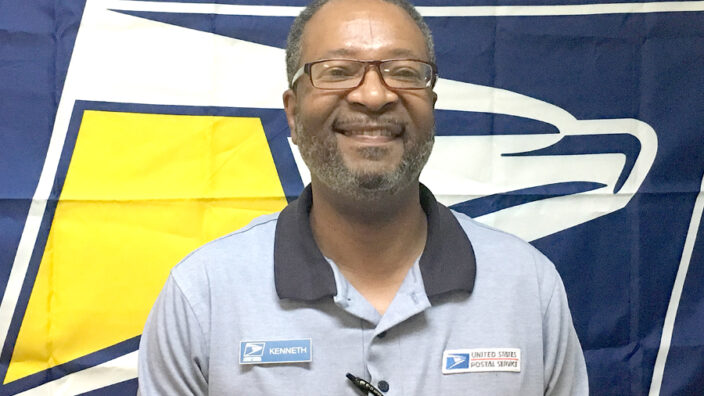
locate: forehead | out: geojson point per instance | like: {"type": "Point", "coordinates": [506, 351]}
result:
{"type": "Point", "coordinates": [362, 29]}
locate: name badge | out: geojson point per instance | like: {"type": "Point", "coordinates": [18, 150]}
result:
{"type": "Point", "coordinates": [481, 360]}
{"type": "Point", "coordinates": [273, 352]}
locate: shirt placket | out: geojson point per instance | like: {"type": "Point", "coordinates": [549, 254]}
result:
{"type": "Point", "coordinates": [385, 359]}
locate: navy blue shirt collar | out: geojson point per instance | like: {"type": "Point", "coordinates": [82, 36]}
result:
{"type": "Point", "coordinates": [301, 272]}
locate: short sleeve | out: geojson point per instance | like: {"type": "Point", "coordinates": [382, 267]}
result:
{"type": "Point", "coordinates": [565, 369]}
{"type": "Point", "coordinates": [172, 350]}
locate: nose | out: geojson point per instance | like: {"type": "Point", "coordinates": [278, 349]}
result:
{"type": "Point", "coordinates": [372, 93]}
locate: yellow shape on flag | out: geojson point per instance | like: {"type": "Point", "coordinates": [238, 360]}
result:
{"type": "Point", "coordinates": [141, 192]}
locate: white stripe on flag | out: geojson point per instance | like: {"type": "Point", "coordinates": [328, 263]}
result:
{"type": "Point", "coordinates": [436, 11]}
{"type": "Point", "coordinates": [671, 315]}
{"type": "Point", "coordinates": [111, 372]}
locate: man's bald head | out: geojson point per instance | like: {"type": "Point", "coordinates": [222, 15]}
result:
{"type": "Point", "coordinates": [295, 35]}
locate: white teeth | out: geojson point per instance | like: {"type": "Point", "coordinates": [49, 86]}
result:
{"type": "Point", "coordinates": [369, 129]}
{"type": "Point", "coordinates": [373, 132]}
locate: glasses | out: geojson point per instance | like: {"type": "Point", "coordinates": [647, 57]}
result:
{"type": "Point", "coordinates": [349, 73]}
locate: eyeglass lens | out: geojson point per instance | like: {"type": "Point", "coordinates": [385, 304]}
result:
{"type": "Point", "coordinates": [342, 74]}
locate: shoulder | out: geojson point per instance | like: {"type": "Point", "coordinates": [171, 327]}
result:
{"type": "Point", "coordinates": [502, 256]}
{"type": "Point", "coordinates": [487, 237]}
{"type": "Point", "coordinates": [258, 235]}
{"type": "Point", "coordinates": [494, 243]}
{"type": "Point", "coordinates": [236, 258]}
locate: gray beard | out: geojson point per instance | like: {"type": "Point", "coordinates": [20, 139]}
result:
{"type": "Point", "coordinates": [323, 158]}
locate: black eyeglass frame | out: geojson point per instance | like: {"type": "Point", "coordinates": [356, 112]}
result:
{"type": "Point", "coordinates": [306, 68]}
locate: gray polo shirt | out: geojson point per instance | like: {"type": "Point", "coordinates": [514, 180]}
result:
{"type": "Point", "coordinates": [262, 312]}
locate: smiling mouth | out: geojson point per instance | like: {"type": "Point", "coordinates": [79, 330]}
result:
{"type": "Point", "coordinates": [372, 131]}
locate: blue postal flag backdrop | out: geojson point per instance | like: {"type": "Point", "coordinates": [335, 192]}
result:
{"type": "Point", "coordinates": [133, 131]}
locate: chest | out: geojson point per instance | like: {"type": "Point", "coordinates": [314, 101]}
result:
{"type": "Point", "coordinates": [408, 356]}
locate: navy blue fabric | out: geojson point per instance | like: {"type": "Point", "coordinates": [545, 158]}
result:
{"type": "Point", "coordinates": [682, 374]}
{"type": "Point", "coordinates": [495, 202]}
{"type": "Point", "coordinates": [35, 48]}
{"type": "Point", "coordinates": [589, 144]}
{"type": "Point", "coordinates": [128, 387]}
{"type": "Point", "coordinates": [36, 41]}
{"type": "Point", "coordinates": [78, 364]}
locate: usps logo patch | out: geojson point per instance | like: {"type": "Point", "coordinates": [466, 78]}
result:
{"type": "Point", "coordinates": [478, 360]}
{"type": "Point", "coordinates": [253, 351]}
{"type": "Point", "coordinates": [456, 361]}
{"type": "Point", "coordinates": [279, 351]}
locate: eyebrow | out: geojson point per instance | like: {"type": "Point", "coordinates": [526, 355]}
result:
{"type": "Point", "coordinates": [395, 53]}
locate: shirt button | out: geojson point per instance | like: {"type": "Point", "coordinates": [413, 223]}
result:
{"type": "Point", "coordinates": [382, 334]}
{"type": "Point", "coordinates": [383, 386]}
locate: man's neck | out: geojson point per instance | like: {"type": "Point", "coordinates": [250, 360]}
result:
{"type": "Point", "coordinates": [374, 243]}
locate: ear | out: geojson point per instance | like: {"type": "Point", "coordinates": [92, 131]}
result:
{"type": "Point", "coordinates": [290, 103]}
{"type": "Point", "coordinates": [435, 98]}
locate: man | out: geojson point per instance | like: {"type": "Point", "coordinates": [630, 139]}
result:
{"type": "Point", "coordinates": [365, 273]}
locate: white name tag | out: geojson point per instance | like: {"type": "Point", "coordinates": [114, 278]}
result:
{"type": "Point", "coordinates": [480, 360]}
